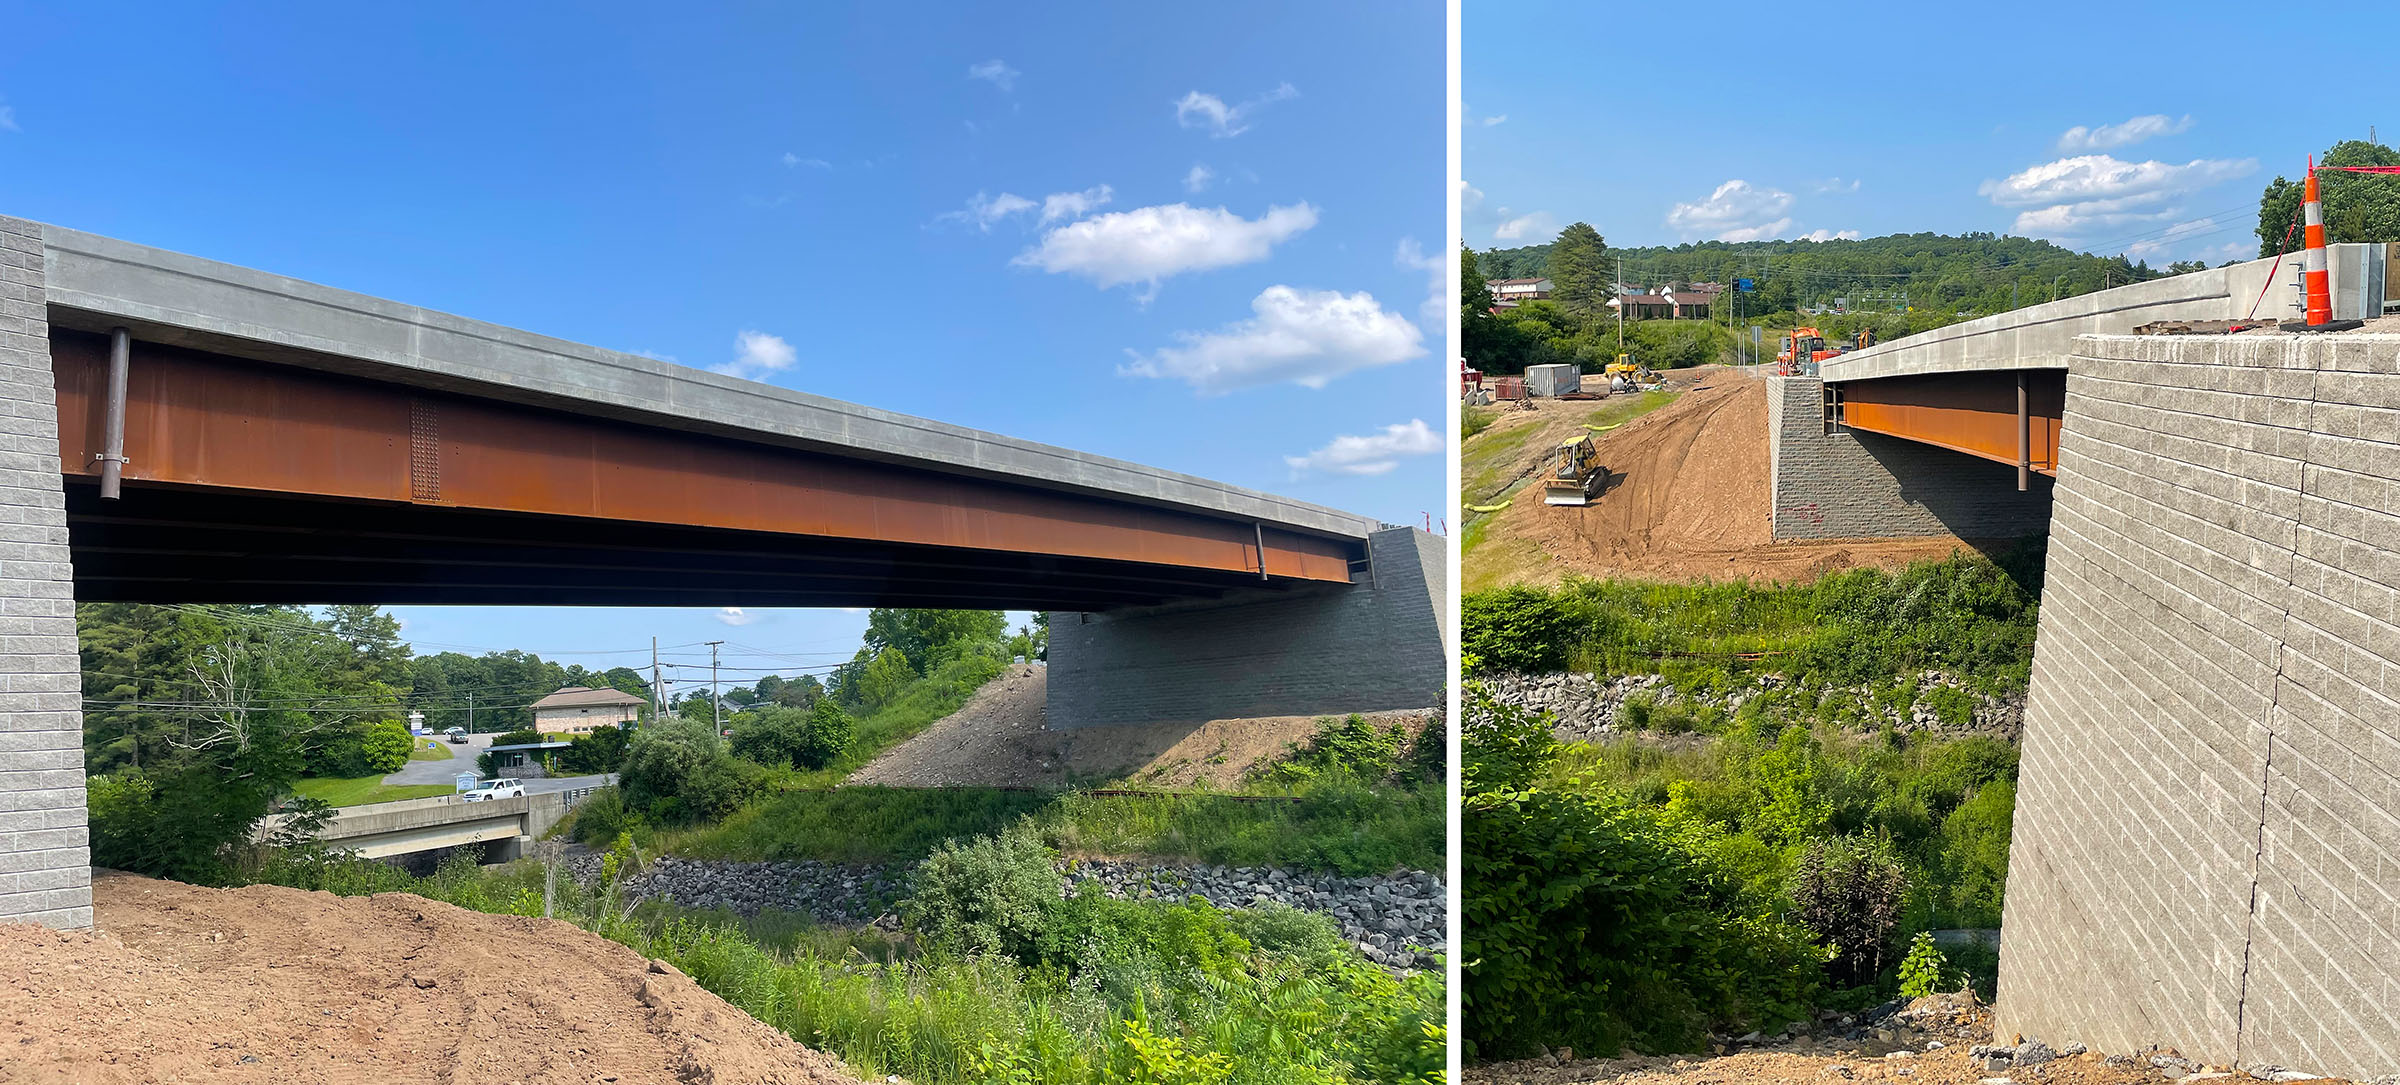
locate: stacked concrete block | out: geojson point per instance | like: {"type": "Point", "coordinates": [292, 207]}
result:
{"type": "Point", "coordinates": [2207, 839]}
{"type": "Point", "coordinates": [1848, 485]}
{"type": "Point", "coordinates": [1375, 645]}
{"type": "Point", "coordinates": [45, 867]}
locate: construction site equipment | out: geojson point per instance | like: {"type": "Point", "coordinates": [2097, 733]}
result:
{"type": "Point", "coordinates": [1626, 375]}
{"type": "Point", "coordinates": [1555, 379]}
{"type": "Point", "coordinates": [1575, 472]}
{"type": "Point", "coordinates": [1800, 353]}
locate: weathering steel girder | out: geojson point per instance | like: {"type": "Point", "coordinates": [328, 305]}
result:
{"type": "Point", "coordinates": [195, 418]}
{"type": "Point", "coordinates": [1970, 412]}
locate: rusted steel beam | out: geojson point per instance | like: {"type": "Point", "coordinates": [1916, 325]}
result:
{"type": "Point", "coordinates": [1974, 413]}
{"type": "Point", "coordinates": [196, 419]}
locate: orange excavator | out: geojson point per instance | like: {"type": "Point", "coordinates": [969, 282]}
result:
{"type": "Point", "coordinates": [1804, 347]}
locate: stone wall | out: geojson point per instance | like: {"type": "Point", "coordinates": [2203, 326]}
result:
{"type": "Point", "coordinates": [1375, 645]}
{"type": "Point", "coordinates": [2207, 837]}
{"type": "Point", "coordinates": [45, 867]}
{"type": "Point", "coordinates": [1848, 485]}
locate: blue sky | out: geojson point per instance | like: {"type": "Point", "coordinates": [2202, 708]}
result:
{"type": "Point", "coordinates": [2138, 127]}
{"type": "Point", "coordinates": [1194, 241]}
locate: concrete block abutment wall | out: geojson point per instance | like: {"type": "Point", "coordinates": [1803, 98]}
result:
{"type": "Point", "coordinates": [1379, 644]}
{"type": "Point", "coordinates": [2207, 835]}
{"type": "Point", "coordinates": [45, 862]}
{"type": "Point", "coordinates": [1849, 485]}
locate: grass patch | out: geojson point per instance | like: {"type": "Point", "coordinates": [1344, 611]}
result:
{"type": "Point", "coordinates": [854, 824]}
{"type": "Point", "coordinates": [360, 790]}
{"type": "Point", "coordinates": [433, 750]}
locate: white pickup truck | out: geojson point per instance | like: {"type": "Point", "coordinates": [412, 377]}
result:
{"type": "Point", "coordinates": [503, 788]}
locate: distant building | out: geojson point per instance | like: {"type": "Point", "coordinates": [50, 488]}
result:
{"type": "Point", "coordinates": [575, 710]}
{"type": "Point", "coordinates": [1519, 289]}
{"type": "Point", "coordinates": [1644, 306]}
{"type": "Point", "coordinates": [1689, 305]}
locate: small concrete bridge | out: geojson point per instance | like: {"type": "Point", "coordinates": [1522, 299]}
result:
{"type": "Point", "coordinates": [2206, 851]}
{"type": "Point", "coordinates": [406, 826]}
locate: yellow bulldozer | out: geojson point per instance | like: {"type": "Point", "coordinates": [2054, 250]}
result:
{"type": "Point", "coordinates": [1625, 369]}
{"type": "Point", "coordinates": [1575, 473]}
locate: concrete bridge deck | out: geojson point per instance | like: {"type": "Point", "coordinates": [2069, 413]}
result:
{"type": "Point", "coordinates": [406, 826]}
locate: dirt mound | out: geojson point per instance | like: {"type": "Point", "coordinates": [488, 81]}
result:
{"type": "Point", "coordinates": [1687, 497]}
{"type": "Point", "coordinates": [1000, 738]}
{"type": "Point", "coordinates": [182, 983]}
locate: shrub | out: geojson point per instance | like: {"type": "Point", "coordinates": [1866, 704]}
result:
{"type": "Point", "coordinates": [1921, 970]}
{"type": "Point", "coordinates": [678, 772]}
{"type": "Point", "coordinates": [1525, 630]}
{"type": "Point", "coordinates": [1850, 891]}
{"type": "Point", "coordinates": [601, 816]}
{"type": "Point", "coordinates": [988, 895]}
{"type": "Point", "coordinates": [1350, 747]}
{"type": "Point", "coordinates": [385, 747]}
{"type": "Point", "coordinates": [602, 749]}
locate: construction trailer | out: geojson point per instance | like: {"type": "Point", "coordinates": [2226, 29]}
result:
{"type": "Point", "coordinates": [1556, 379]}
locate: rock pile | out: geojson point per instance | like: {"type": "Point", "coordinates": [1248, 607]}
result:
{"type": "Point", "coordinates": [1397, 920]}
{"type": "Point", "coordinates": [1584, 707]}
{"type": "Point", "coordinates": [835, 892]}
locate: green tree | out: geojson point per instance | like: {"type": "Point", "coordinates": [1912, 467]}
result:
{"type": "Point", "coordinates": [1474, 291]}
{"type": "Point", "coordinates": [932, 637]}
{"type": "Point", "coordinates": [386, 746]}
{"type": "Point", "coordinates": [2357, 206]}
{"type": "Point", "coordinates": [679, 772]}
{"type": "Point", "coordinates": [1579, 276]}
{"type": "Point", "coordinates": [884, 677]}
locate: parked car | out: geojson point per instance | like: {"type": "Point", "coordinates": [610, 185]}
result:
{"type": "Point", "coordinates": [503, 788]}
{"type": "Point", "coordinates": [456, 735]}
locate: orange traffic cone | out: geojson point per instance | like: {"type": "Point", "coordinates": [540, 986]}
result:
{"type": "Point", "coordinates": [2313, 276]}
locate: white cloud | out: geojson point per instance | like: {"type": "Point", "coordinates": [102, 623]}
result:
{"type": "Point", "coordinates": [1199, 110]}
{"type": "Point", "coordinates": [2098, 176]}
{"type": "Point", "coordinates": [2080, 138]}
{"type": "Point", "coordinates": [1074, 205]}
{"type": "Point", "coordinates": [1533, 226]}
{"type": "Point", "coordinates": [1736, 211]}
{"type": "Point", "coordinates": [1822, 234]}
{"type": "Point", "coordinates": [2167, 239]}
{"type": "Point", "coordinates": [1496, 119]}
{"type": "Point", "coordinates": [1148, 244]}
{"type": "Point", "coordinates": [982, 211]}
{"type": "Point", "coordinates": [1374, 454]}
{"type": "Point", "coordinates": [1832, 186]}
{"type": "Point", "coordinates": [1442, 290]}
{"type": "Point", "coordinates": [734, 616]}
{"type": "Point", "coordinates": [790, 159]}
{"type": "Point", "coordinates": [1199, 178]}
{"type": "Point", "coordinates": [757, 355]}
{"type": "Point", "coordinates": [1469, 196]}
{"type": "Point", "coordinates": [1308, 337]}
{"type": "Point", "coordinates": [2084, 192]}
{"type": "Point", "coordinates": [996, 73]}
{"type": "Point", "coordinates": [8, 118]}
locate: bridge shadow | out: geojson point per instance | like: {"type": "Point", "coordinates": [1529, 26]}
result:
{"type": "Point", "coordinates": [1974, 499]}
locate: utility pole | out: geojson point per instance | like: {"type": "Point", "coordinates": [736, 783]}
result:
{"type": "Point", "coordinates": [470, 712]}
{"type": "Point", "coordinates": [658, 707]}
{"type": "Point", "coordinates": [716, 703]}
{"type": "Point", "coordinates": [1620, 284]}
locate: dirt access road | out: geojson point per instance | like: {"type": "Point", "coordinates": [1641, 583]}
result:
{"type": "Point", "coordinates": [1687, 497]}
{"type": "Point", "coordinates": [186, 984]}
{"type": "Point", "coordinates": [1001, 738]}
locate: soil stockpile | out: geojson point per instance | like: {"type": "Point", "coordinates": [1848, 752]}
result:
{"type": "Point", "coordinates": [1001, 738]}
{"type": "Point", "coordinates": [1687, 497]}
{"type": "Point", "coordinates": [181, 983]}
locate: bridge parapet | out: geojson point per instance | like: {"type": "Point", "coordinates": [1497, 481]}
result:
{"type": "Point", "coordinates": [2043, 336]}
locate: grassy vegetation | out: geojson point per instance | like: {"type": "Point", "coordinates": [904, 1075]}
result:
{"type": "Point", "coordinates": [1474, 420]}
{"type": "Point", "coordinates": [1968, 615]}
{"type": "Point", "coordinates": [358, 791]}
{"type": "Point", "coordinates": [1374, 805]}
{"type": "Point", "coordinates": [1085, 990]}
{"type": "Point", "coordinates": [431, 750]}
{"type": "Point", "coordinates": [917, 707]}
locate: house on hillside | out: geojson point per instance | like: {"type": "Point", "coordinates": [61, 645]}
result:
{"type": "Point", "coordinates": [1515, 290]}
{"type": "Point", "coordinates": [1644, 306]}
{"type": "Point", "coordinates": [1689, 305]}
{"type": "Point", "coordinates": [575, 710]}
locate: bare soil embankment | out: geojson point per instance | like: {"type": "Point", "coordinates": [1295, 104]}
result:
{"type": "Point", "coordinates": [1688, 497]}
{"type": "Point", "coordinates": [1001, 738]}
{"type": "Point", "coordinates": [188, 984]}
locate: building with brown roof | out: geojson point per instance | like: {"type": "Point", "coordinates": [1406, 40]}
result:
{"type": "Point", "coordinates": [575, 710]}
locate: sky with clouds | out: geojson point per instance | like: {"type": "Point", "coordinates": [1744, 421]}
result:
{"type": "Point", "coordinates": [1208, 243]}
{"type": "Point", "coordinates": [1895, 119]}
